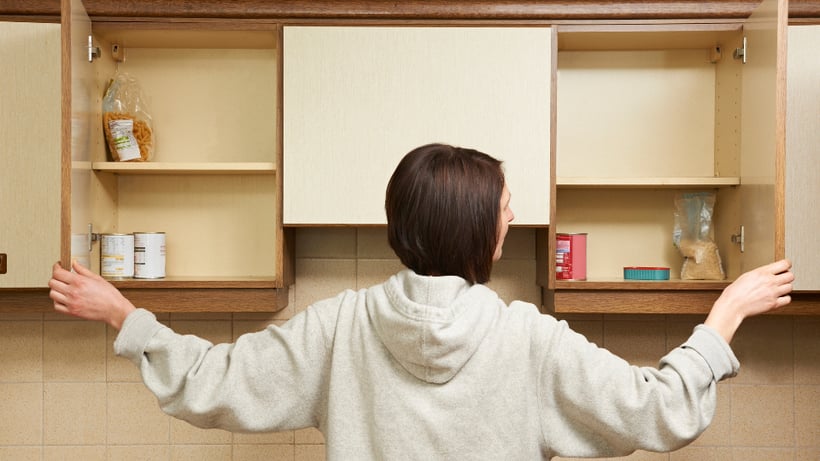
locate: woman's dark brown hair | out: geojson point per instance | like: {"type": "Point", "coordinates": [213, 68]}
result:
{"type": "Point", "coordinates": [442, 207]}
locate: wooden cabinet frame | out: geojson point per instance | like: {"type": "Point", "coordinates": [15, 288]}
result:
{"type": "Point", "coordinates": [553, 10]}
{"type": "Point", "coordinates": [757, 194]}
{"type": "Point", "coordinates": [257, 281]}
{"type": "Point", "coordinates": [693, 299]}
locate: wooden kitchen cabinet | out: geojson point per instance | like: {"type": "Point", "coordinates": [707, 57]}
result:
{"type": "Point", "coordinates": [638, 112]}
{"type": "Point", "coordinates": [213, 184]}
{"type": "Point", "coordinates": [357, 98]}
{"type": "Point", "coordinates": [646, 111]}
{"type": "Point", "coordinates": [644, 114]}
{"type": "Point", "coordinates": [29, 153]}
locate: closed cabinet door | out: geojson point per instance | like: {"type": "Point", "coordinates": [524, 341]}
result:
{"type": "Point", "coordinates": [356, 99]}
{"type": "Point", "coordinates": [29, 153]}
{"type": "Point", "coordinates": [802, 216]}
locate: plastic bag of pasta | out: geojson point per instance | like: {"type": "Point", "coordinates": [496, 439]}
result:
{"type": "Point", "coordinates": [694, 236]}
{"type": "Point", "coordinates": [126, 120]}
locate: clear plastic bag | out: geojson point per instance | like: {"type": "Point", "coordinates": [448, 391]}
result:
{"type": "Point", "coordinates": [127, 122]}
{"type": "Point", "coordinates": [694, 236]}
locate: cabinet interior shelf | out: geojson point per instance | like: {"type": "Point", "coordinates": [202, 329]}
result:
{"type": "Point", "coordinates": [185, 167]}
{"type": "Point", "coordinates": [152, 35]}
{"type": "Point", "coordinates": [198, 282]}
{"type": "Point", "coordinates": [620, 284]}
{"type": "Point", "coordinates": [586, 37]}
{"type": "Point", "coordinates": [650, 182]}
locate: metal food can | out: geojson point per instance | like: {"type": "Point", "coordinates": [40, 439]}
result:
{"type": "Point", "coordinates": [149, 255]}
{"type": "Point", "coordinates": [117, 256]}
{"type": "Point", "coordinates": [571, 256]}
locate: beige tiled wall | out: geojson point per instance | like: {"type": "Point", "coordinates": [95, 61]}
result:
{"type": "Point", "coordinates": [65, 396]}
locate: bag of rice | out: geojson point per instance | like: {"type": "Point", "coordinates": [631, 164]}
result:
{"type": "Point", "coordinates": [693, 235]}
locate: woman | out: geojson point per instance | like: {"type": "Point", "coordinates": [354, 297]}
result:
{"type": "Point", "coordinates": [431, 364]}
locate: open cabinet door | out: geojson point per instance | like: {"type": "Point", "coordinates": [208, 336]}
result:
{"type": "Point", "coordinates": [763, 116]}
{"type": "Point", "coordinates": [803, 156]}
{"type": "Point", "coordinates": [29, 153]}
{"type": "Point", "coordinates": [77, 84]}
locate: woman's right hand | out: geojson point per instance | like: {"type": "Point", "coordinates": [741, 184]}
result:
{"type": "Point", "coordinates": [85, 294]}
{"type": "Point", "coordinates": [755, 292]}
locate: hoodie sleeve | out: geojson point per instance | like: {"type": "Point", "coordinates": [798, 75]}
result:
{"type": "Point", "coordinates": [265, 381]}
{"type": "Point", "coordinates": [596, 404]}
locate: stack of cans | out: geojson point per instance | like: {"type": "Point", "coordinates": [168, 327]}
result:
{"type": "Point", "coordinates": [139, 255]}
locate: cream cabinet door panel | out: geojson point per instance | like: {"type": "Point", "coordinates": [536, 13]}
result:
{"type": "Point", "coordinates": [29, 152]}
{"type": "Point", "coordinates": [78, 131]}
{"type": "Point", "coordinates": [762, 130]}
{"type": "Point", "coordinates": [803, 155]}
{"type": "Point", "coordinates": [356, 99]}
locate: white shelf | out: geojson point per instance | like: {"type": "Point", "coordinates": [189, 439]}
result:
{"type": "Point", "coordinates": [656, 182]}
{"type": "Point", "coordinates": [185, 167]}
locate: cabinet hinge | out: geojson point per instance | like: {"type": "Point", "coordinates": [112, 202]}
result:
{"type": "Point", "coordinates": [93, 51]}
{"type": "Point", "coordinates": [92, 237]}
{"type": "Point", "coordinates": [740, 53]}
{"type": "Point", "coordinates": [740, 238]}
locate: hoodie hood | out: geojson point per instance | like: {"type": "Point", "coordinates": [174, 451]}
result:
{"type": "Point", "coordinates": [432, 325]}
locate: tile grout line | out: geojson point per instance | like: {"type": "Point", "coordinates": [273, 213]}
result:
{"type": "Point", "coordinates": [794, 388]}
{"type": "Point", "coordinates": [43, 386]}
{"type": "Point", "coordinates": [355, 266]}
{"type": "Point", "coordinates": [233, 339]}
{"type": "Point", "coordinates": [107, 346]}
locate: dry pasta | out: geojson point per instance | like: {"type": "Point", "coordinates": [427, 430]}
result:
{"type": "Point", "coordinates": [141, 131]}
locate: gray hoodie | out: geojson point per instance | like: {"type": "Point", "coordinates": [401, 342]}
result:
{"type": "Point", "coordinates": [424, 368]}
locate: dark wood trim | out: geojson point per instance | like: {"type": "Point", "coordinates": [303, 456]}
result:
{"type": "Point", "coordinates": [66, 88]}
{"type": "Point", "coordinates": [209, 300]}
{"type": "Point", "coordinates": [656, 302]}
{"type": "Point", "coordinates": [164, 300]}
{"type": "Point", "coordinates": [642, 302]}
{"type": "Point", "coordinates": [273, 300]}
{"type": "Point", "coordinates": [26, 301]}
{"type": "Point", "coordinates": [409, 9]}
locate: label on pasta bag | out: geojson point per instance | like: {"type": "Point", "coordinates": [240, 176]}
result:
{"type": "Point", "coordinates": [124, 141]}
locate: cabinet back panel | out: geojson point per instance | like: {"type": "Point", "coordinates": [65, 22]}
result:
{"type": "Point", "coordinates": [29, 152]}
{"type": "Point", "coordinates": [209, 105]}
{"type": "Point", "coordinates": [803, 156]}
{"type": "Point", "coordinates": [223, 225]}
{"type": "Point", "coordinates": [728, 81]}
{"type": "Point", "coordinates": [636, 113]}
